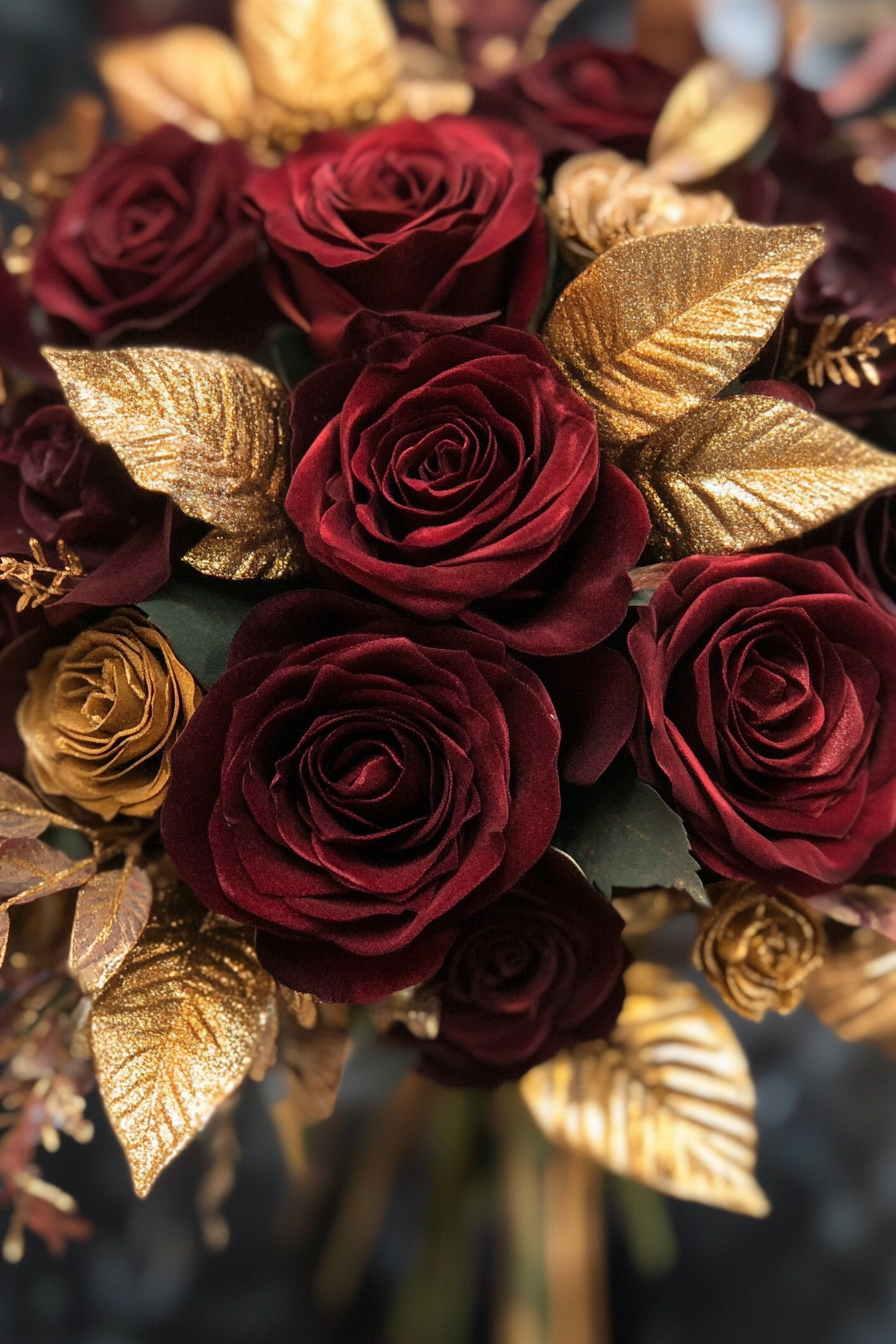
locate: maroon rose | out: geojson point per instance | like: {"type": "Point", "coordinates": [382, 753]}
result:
{"type": "Point", "coordinates": [581, 95]}
{"type": "Point", "coordinates": [531, 974]}
{"type": "Point", "coordinates": [437, 217]}
{"type": "Point", "coordinates": [354, 783]}
{"type": "Point", "coordinates": [769, 714]}
{"type": "Point", "coordinates": [147, 232]}
{"type": "Point", "coordinates": [867, 537]}
{"type": "Point", "coordinates": [458, 477]}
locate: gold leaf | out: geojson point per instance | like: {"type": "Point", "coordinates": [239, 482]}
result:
{"type": "Point", "coordinates": [644, 911]}
{"type": "Point", "coordinates": [418, 1008]}
{"type": "Point", "coordinates": [176, 1030]}
{"type": "Point", "coordinates": [110, 916]}
{"type": "Point", "coordinates": [210, 430]}
{"type": "Point", "coordinates": [854, 992]}
{"type": "Point", "coordinates": [30, 869]}
{"type": "Point", "coordinates": [711, 119]}
{"type": "Point", "coordinates": [656, 326]}
{"type": "Point", "coordinates": [4, 934]}
{"type": "Point", "coordinates": [22, 814]}
{"type": "Point", "coordinates": [668, 1101]}
{"type": "Point", "coordinates": [335, 60]}
{"type": "Point", "coordinates": [315, 1058]}
{"type": "Point", "coordinates": [749, 471]}
{"type": "Point", "coordinates": [191, 76]}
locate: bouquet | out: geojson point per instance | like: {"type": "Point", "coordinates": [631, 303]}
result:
{"type": "Point", "coordinates": [446, 520]}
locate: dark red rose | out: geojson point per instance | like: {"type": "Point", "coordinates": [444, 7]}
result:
{"type": "Point", "coordinates": [531, 974]}
{"type": "Point", "coordinates": [579, 96]}
{"type": "Point", "coordinates": [437, 217]}
{"type": "Point", "coordinates": [354, 783]}
{"type": "Point", "coordinates": [867, 537]}
{"type": "Point", "coordinates": [769, 714]}
{"type": "Point", "coordinates": [459, 477]}
{"type": "Point", "coordinates": [147, 232]}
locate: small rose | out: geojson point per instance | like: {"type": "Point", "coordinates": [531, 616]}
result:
{"type": "Point", "coordinates": [102, 714]}
{"type": "Point", "coordinates": [758, 950]}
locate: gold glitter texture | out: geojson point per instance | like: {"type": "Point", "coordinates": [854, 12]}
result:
{"type": "Point", "coordinates": [210, 430]}
{"type": "Point", "coordinates": [667, 1101]}
{"type": "Point", "coordinates": [174, 1033]}
{"type": "Point", "coordinates": [652, 329]}
{"type": "Point", "coordinates": [749, 471]}
{"type": "Point", "coordinates": [110, 916]}
{"type": "Point", "coordinates": [711, 119]}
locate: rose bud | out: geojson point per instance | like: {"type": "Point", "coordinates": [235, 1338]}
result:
{"type": "Point", "coordinates": [758, 950]}
{"type": "Point", "coordinates": [102, 714]}
{"type": "Point", "coordinates": [440, 217]}
{"type": "Point", "coordinates": [768, 714]}
{"type": "Point", "coordinates": [533, 973]}
{"type": "Point", "coordinates": [459, 476]}
{"type": "Point", "coordinates": [351, 780]}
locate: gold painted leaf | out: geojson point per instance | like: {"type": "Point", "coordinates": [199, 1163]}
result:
{"type": "Point", "coordinates": [332, 59]}
{"type": "Point", "coordinates": [711, 119]}
{"type": "Point", "coordinates": [110, 916]}
{"type": "Point", "coordinates": [655, 327]}
{"type": "Point", "coordinates": [210, 430]}
{"type": "Point", "coordinates": [750, 471]}
{"type": "Point", "coordinates": [667, 1101]}
{"type": "Point", "coordinates": [191, 76]}
{"type": "Point", "coordinates": [30, 869]}
{"type": "Point", "coordinates": [315, 1058]}
{"type": "Point", "coordinates": [176, 1030]}
{"type": "Point", "coordinates": [22, 814]}
{"type": "Point", "coordinates": [854, 992]}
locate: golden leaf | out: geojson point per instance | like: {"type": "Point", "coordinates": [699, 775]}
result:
{"type": "Point", "coordinates": [210, 430]}
{"type": "Point", "coordinates": [22, 814]}
{"type": "Point", "coordinates": [334, 60]}
{"type": "Point", "coordinates": [315, 1058]}
{"type": "Point", "coordinates": [191, 76]}
{"type": "Point", "coordinates": [176, 1030]}
{"type": "Point", "coordinates": [749, 471]}
{"type": "Point", "coordinates": [854, 992]}
{"type": "Point", "coordinates": [417, 1008]}
{"type": "Point", "coordinates": [668, 1101]}
{"type": "Point", "coordinates": [4, 934]}
{"type": "Point", "coordinates": [656, 326]}
{"type": "Point", "coordinates": [30, 869]}
{"type": "Point", "coordinates": [302, 1006]}
{"type": "Point", "coordinates": [110, 916]}
{"type": "Point", "coordinates": [711, 119]}
{"type": "Point", "coordinates": [645, 911]}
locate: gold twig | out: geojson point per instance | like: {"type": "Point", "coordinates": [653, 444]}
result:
{"type": "Point", "coordinates": [544, 25]}
{"type": "Point", "coordinates": [444, 22]}
{"type": "Point", "coordinates": [824, 361]}
{"type": "Point", "coordinates": [26, 576]}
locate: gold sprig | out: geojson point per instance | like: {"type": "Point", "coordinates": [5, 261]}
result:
{"type": "Point", "coordinates": [544, 25]}
{"type": "Point", "coordinates": [823, 361]}
{"type": "Point", "coordinates": [37, 580]}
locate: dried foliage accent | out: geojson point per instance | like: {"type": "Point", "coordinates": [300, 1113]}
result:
{"type": "Point", "coordinates": [416, 1008]}
{"type": "Point", "coordinates": [315, 1058]}
{"type": "Point", "coordinates": [854, 992]}
{"type": "Point", "coordinates": [22, 814]}
{"type": "Point", "coordinates": [30, 869]}
{"type": "Point", "coordinates": [37, 580]}
{"type": "Point", "coordinates": [110, 916]}
{"type": "Point", "coordinates": [824, 361]}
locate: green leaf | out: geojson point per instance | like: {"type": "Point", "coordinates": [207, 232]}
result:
{"type": "Point", "coordinates": [199, 620]}
{"type": "Point", "coordinates": [622, 834]}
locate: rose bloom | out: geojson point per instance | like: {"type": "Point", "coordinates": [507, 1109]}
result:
{"type": "Point", "coordinates": [460, 476]}
{"type": "Point", "coordinates": [769, 714]}
{"type": "Point", "coordinates": [867, 537]}
{"type": "Point", "coordinates": [579, 96]}
{"type": "Point", "coordinates": [532, 974]}
{"type": "Point", "coordinates": [101, 715]}
{"type": "Point", "coordinates": [148, 230]}
{"type": "Point", "coordinates": [352, 781]}
{"type": "Point", "coordinates": [439, 217]}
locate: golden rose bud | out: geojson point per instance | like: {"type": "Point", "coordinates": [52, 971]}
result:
{"type": "Point", "coordinates": [101, 715]}
{"type": "Point", "coordinates": [603, 199]}
{"type": "Point", "coordinates": [758, 950]}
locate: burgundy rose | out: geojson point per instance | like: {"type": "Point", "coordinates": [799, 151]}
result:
{"type": "Point", "coordinates": [769, 714]}
{"type": "Point", "coordinates": [867, 537]}
{"type": "Point", "coordinates": [581, 95]}
{"type": "Point", "coordinates": [147, 232]}
{"type": "Point", "coordinates": [438, 217]}
{"type": "Point", "coordinates": [459, 476]}
{"type": "Point", "coordinates": [354, 784]}
{"type": "Point", "coordinates": [531, 974]}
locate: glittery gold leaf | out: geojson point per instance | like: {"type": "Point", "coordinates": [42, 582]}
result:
{"type": "Point", "coordinates": [656, 326]}
{"type": "Point", "coordinates": [22, 814]}
{"type": "Point", "coordinates": [210, 430]}
{"type": "Point", "coordinates": [749, 471]}
{"type": "Point", "coordinates": [110, 916]}
{"type": "Point", "coordinates": [668, 1101]}
{"type": "Point", "coordinates": [191, 76]}
{"type": "Point", "coordinates": [854, 992]}
{"type": "Point", "coordinates": [30, 869]}
{"type": "Point", "coordinates": [332, 60]}
{"type": "Point", "coordinates": [176, 1030]}
{"type": "Point", "coordinates": [711, 119]}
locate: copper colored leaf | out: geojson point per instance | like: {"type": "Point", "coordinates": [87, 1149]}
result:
{"type": "Point", "coordinates": [315, 1057]}
{"type": "Point", "coordinates": [110, 916]}
{"type": "Point", "coordinates": [872, 907]}
{"type": "Point", "coordinates": [655, 327]}
{"type": "Point", "coordinates": [31, 868]}
{"type": "Point", "coordinates": [176, 1030]}
{"type": "Point", "coordinates": [854, 992]}
{"type": "Point", "coordinates": [22, 814]}
{"type": "Point", "coordinates": [668, 1101]}
{"type": "Point", "coordinates": [190, 76]}
{"type": "Point", "coordinates": [749, 471]}
{"type": "Point", "coordinates": [711, 119]}
{"type": "Point", "coordinates": [210, 430]}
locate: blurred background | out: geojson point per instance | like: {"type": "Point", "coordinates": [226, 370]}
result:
{"type": "Point", "coordinates": [418, 1216]}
